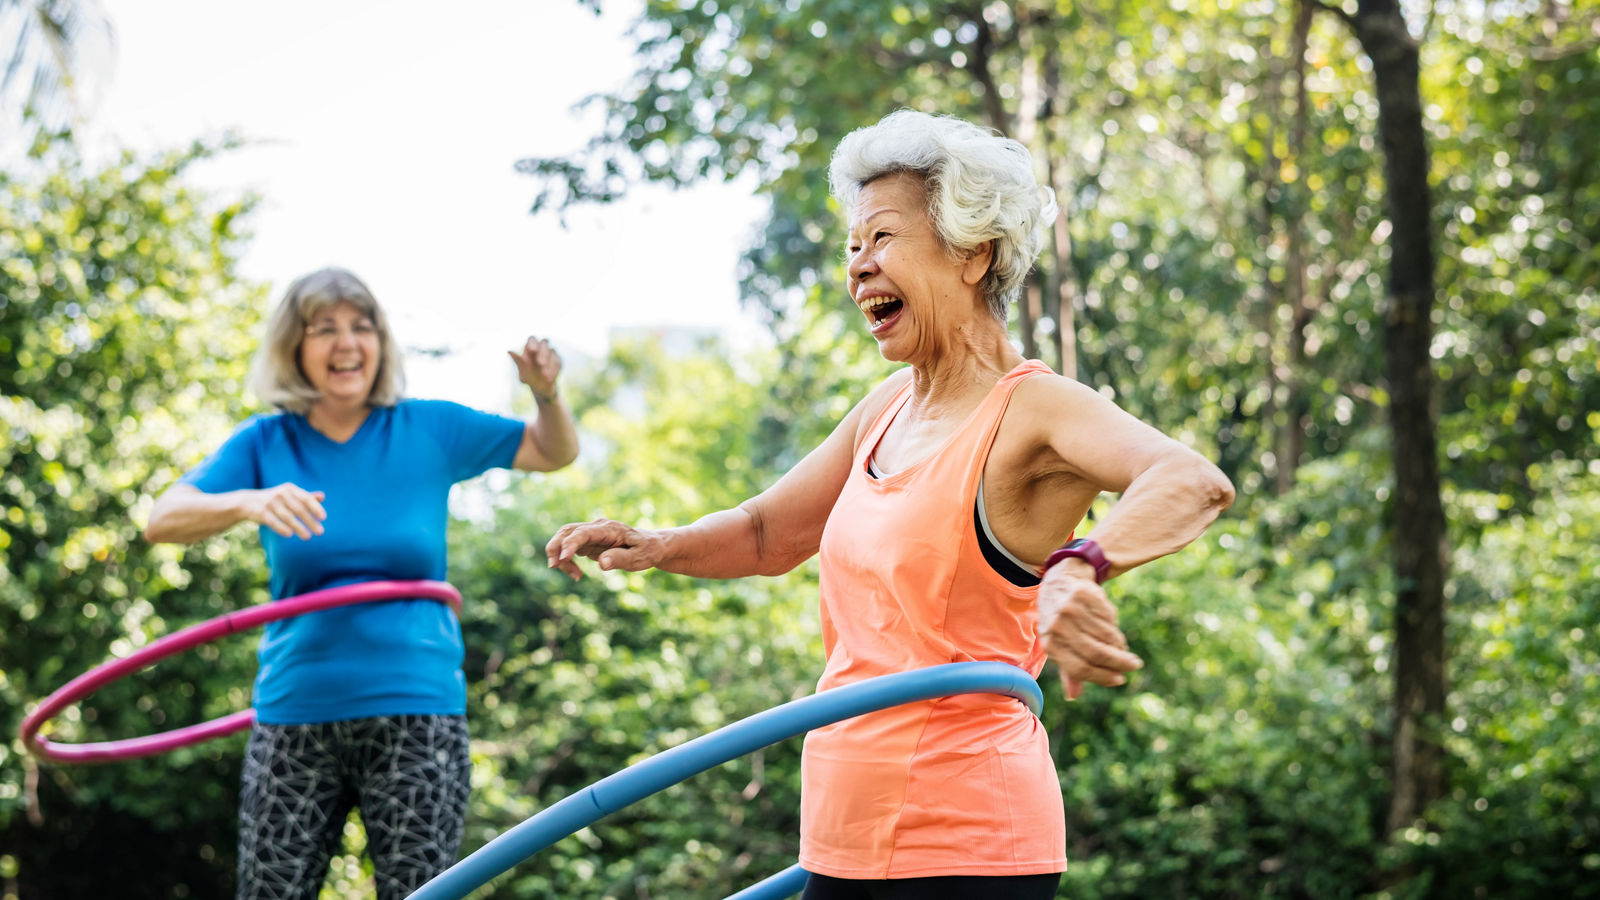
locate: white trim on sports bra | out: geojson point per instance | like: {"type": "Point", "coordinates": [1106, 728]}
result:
{"type": "Point", "coordinates": [983, 520]}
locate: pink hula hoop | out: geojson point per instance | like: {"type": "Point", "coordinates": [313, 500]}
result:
{"type": "Point", "coordinates": [177, 642]}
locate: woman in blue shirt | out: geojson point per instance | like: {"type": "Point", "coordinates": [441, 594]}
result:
{"type": "Point", "coordinates": [361, 705]}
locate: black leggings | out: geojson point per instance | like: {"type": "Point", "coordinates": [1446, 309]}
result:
{"type": "Point", "coordinates": [409, 775]}
{"type": "Point", "coordinates": [944, 887]}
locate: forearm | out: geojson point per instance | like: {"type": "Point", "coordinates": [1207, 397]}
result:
{"type": "Point", "coordinates": [185, 514]}
{"type": "Point", "coordinates": [1162, 511]}
{"type": "Point", "coordinates": [554, 431]}
{"type": "Point", "coordinates": [732, 543]}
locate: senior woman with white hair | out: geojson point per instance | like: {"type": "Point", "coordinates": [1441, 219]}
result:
{"type": "Point", "coordinates": [942, 509]}
{"type": "Point", "coordinates": [349, 481]}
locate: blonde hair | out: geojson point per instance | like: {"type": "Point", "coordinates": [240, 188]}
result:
{"type": "Point", "coordinates": [276, 376]}
{"type": "Point", "coordinates": [980, 187]}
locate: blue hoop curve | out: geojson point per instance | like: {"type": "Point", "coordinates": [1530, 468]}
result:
{"type": "Point", "coordinates": [667, 768]}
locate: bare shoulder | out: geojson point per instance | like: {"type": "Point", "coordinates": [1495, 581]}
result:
{"type": "Point", "coordinates": [871, 406]}
{"type": "Point", "coordinates": [1043, 399]}
{"type": "Point", "coordinates": [1057, 421]}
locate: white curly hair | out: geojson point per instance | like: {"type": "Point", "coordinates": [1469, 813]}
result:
{"type": "Point", "coordinates": [980, 187]}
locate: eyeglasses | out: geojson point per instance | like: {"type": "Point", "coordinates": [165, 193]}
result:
{"type": "Point", "coordinates": [327, 331]}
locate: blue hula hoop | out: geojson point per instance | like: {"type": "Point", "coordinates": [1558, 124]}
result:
{"type": "Point", "coordinates": [667, 768]}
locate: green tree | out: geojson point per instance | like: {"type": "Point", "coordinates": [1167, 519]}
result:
{"type": "Point", "coordinates": [1256, 255]}
{"type": "Point", "coordinates": [572, 682]}
{"type": "Point", "coordinates": [129, 333]}
{"type": "Point", "coordinates": [1419, 538]}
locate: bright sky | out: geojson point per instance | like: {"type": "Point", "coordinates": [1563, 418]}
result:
{"type": "Point", "coordinates": [385, 135]}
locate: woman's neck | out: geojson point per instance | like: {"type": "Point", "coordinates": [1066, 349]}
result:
{"type": "Point", "coordinates": [971, 364]}
{"type": "Point", "coordinates": [337, 422]}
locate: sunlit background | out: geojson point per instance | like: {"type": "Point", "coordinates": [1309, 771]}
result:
{"type": "Point", "coordinates": [382, 136]}
{"type": "Point", "coordinates": [1321, 715]}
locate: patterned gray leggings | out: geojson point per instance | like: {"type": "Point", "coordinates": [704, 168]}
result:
{"type": "Point", "coordinates": [409, 775]}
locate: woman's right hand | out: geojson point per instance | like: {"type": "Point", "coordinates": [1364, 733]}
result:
{"type": "Point", "coordinates": [1078, 629]}
{"type": "Point", "coordinates": [606, 541]}
{"type": "Point", "coordinates": [287, 509]}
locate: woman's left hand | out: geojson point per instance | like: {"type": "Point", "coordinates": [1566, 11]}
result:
{"type": "Point", "coordinates": [1078, 627]}
{"type": "Point", "coordinates": [538, 367]}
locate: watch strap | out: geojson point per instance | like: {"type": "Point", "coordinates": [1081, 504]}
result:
{"type": "Point", "coordinates": [1086, 550]}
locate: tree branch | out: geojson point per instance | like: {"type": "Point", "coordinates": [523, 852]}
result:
{"type": "Point", "coordinates": [1328, 7]}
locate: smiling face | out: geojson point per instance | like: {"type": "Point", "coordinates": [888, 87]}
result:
{"type": "Point", "coordinates": [918, 296]}
{"type": "Point", "coordinates": [340, 355]}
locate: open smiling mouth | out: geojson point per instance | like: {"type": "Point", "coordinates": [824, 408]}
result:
{"type": "Point", "coordinates": [881, 309]}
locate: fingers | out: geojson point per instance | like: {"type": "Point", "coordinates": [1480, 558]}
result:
{"type": "Point", "coordinates": [569, 567]}
{"type": "Point", "coordinates": [537, 353]}
{"type": "Point", "coordinates": [545, 355]}
{"type": "Point", "coordinates": [1090, 657]}
{"type": "Point", "coordinates": [538, 364]}
{"type": "Point", "coordinates": [1072, 688]}
{"type": "Point", "coordinates": [558, 557]}
{"type": "Point", "coordinates": [292, 511]}
{"type": "Point", "coordinates": [628, 559]}
{"type": "Point", "coordinates": [608, 542]}
{"type": "Point", "coordinates": [1090, 666]}
{"type": "Point", "coordinates": [1078, 630]}
{"type": "Point", "coordinates": [277, 524]}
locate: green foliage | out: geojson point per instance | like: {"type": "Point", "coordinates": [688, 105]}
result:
{"type": "Point", "coordinates": [1519, 347]}
{"type": "Point", "coordinates": [1523, 818]}
{"type": "Point", "coordinates": [129, 334]}
{"type": "Point", "coordinates": [574, 681]}
{"type": "Point", "coordinates": [1248, 759]}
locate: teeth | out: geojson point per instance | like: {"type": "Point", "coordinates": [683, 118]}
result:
{"type": "Point", "coordinates": [872, 303]}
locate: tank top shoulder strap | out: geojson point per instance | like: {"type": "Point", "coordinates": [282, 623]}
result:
{"type": "Point", "coordinates": [994, 406]}
{"type": "Point", "coordinates": [968, 453]}
{"type": "Point", "coordinates": [881, 424]}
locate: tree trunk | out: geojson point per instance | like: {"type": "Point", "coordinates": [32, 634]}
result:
{"type": "Point", "coordinates": [1057, 301]}
{"type": "Point", "coordinates": [1030, 106]}
{"type": "Point", "coordinates": [1270, 177]}
{"type": "Point", "coordinates": [1064, 302]}
{"type": "Point", "coordinates": [1298, 413]}
{"type": "Point", "coordinates": [1418, 529]}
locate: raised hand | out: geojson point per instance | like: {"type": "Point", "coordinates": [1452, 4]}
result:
{"type": "Point", "coordinates": [1078, 627]}
{"type": "Point", "coordinates": [608, 542]}
{"type": "Point", "coordinates": [538, 367]}
{"type": "Point", "coordinates": [288, 509]}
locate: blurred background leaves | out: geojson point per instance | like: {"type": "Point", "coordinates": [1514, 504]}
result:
{"type": "Point", "coordinates": [1220, 271]}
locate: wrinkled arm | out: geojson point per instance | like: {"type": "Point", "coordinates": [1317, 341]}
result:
{"type": "Point", "coordinates": [768, 534]}
{"type": "Point", "coordinates": [1170, 495]}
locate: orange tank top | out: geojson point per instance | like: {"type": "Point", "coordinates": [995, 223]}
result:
{"type": "Point", "coordinates": [958, 786]}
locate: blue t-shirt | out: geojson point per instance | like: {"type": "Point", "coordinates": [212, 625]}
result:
{"type": "Point", "coordinates": [387, 490]}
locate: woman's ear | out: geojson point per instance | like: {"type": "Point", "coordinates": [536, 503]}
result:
{"type": "Point", "coordinates": [978, 262]}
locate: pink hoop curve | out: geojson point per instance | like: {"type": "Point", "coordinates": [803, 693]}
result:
{"type": "Point", "coordinates": [179, 641]}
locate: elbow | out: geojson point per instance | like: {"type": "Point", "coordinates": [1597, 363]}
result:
{"type": "Point", "coordinates": [772, 568]}
{"type": "Point", "coordinates": [1215, 490]}
{"type": "Point", "coordinates": [782, 557]}
{"type": "Point", "coordinates": [166, 527]}
{"type": "Point", "coordinates": [157, 533]}
{"type": "Point", "coordinates": [567, 458]}
{"type": "Point", "coordinates": [775, 553]}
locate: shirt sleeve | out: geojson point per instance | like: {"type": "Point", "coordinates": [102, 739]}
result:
{"type": "Point", "coordinates": [475, 441]}
{"type": "Point", "coordinates": [235, 466]}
